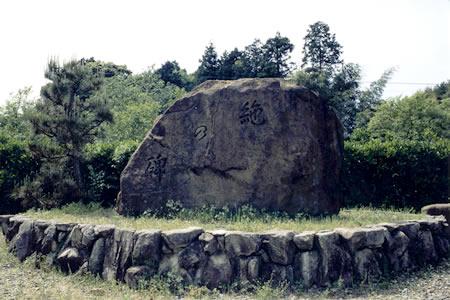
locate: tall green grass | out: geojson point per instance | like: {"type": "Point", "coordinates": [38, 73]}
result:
{"type": "Point", "coordinates": [245, 219]}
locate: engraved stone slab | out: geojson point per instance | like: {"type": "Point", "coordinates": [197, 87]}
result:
{"type": "Point", "coordinates": [263, 142]}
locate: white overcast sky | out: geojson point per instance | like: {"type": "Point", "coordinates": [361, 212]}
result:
{"type": "Point", "coordinates": [412, 35]}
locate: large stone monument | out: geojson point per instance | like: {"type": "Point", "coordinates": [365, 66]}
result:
{"type": "Point", "coordinates": [263, 142]}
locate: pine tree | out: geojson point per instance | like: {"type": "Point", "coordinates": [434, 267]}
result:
{"type": "Point", "coordinates": [276, 54]}
{"type": "Point", "coordinates": [67, 115]}
{"type": "Point", "coordinates": [321, 50]}
{"type": "Point", "coordinates": [253, 60]}
{"type": "Point", "coordinates": [209, 65]}
{"type": "Point", "coordinates": [230, 65]}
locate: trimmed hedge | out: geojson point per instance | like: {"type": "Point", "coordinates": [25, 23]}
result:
{"type": "Point", "coordinates": [396, 173]}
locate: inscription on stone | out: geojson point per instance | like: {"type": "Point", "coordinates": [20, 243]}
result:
{"type": "Point", "coordinates": [200, 132]}
{"type": "Point", "coordinates": [156, 166]}
{"type": "Point", "coordinates": [252, 113]}
{"type": "Point", "coordinates": [262, 142]}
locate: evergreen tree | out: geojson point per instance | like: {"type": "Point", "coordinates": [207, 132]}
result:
{"type": "Point", "coordinates": [170, 72]}
{"type": "Point", "coordinates": [338, 83]}
{"type": "Point", "coordinates": [209, 65]}
{"type": "Point", "coordinates": [67, 115]}
{"type": "Point", "coordinates": [105, 69]}
{"type": "Point", "coordinates": [321, 50]}
{"type": "Point", "coordinates": [231, 65]}
{"type": "Point", "coordinates": [276, 53]}
{"type": "Point", "coordinates": [253, 60]}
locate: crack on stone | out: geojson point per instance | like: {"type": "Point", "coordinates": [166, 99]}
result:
{"type": "Point", "coordinates": [404, 251]}
{"type": "Point", "coordinates": [221, 173]}
{"type": "Point", "coordinates": [158, 140]}
{"type": "Point", "coordinates": [167, 112]}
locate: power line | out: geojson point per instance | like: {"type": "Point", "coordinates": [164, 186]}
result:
{"type": "Point", "coordinates": [405, 83]}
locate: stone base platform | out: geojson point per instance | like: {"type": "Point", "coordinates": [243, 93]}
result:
{"type": "Point", "coordinates": [220, 258]}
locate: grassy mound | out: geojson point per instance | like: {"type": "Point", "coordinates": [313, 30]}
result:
{"type": "Point", "coordinates": [244, 219]}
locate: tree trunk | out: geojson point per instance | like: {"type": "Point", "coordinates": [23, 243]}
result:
{"type": "Point", "coordinates": [77, 172]}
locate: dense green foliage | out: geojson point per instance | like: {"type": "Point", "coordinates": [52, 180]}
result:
{"type": "Point", "coordinates": [209, 65]}
{"type": "Point", "coordinates": [17, 164]}
{"type": "Point", "coordinates": [400, 157]}
{"type": "Point", "coordinates": [70, 118]}
{"type": "Point", "coordinates": [395, 173]}
{"type": "Point", "coordinates": [421, 117]}
{"type": "Point", "coordinates": [337, 82]}
{"type": "Point", "coordinates": [38, 137]}
{"type": "Point", "coordinates": [104, 163]}
{"type": "Point", "coordinates": [135, 102]}
{"type": "Point", "coordinates": [321, 51]}
{"type": "Point", "coordinates": [170, 72]}
{"type": "Point", "coordinates": [270, 59]}
{"type": "Point", "coordinates": [12, 115]}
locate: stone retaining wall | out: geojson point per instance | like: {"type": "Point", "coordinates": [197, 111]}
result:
{"type": "Point", "coordinates": [220, 258]}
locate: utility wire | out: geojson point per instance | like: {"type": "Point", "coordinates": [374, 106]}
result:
{"type": "Point", "coordinates": [404, 83]}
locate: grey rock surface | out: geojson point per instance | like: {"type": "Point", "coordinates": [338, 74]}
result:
{"type": "Point", "coordinates": [279, 246]}
{"type": "Point", "coordinates": [217, 272]}
{"type": "Point", "coordinates": [306, 268]}
{"type": "Point", "coordinates": [223, 259]}
{"type": "Point", "coordinates": [242, 243]}
{"type": "Point", "coordinates": [336, 262]}
{"type": "Point", "coordinates": [22, 245]}
{"type": "Point", "coordinates": [97, 257]}
{"type": "Point", "coordinates": [365, 237]}
{"type": "Point", "coordinates": [304, 240]}
{"type": "Point", "coordinates": [439, 209]}
{"type": "Point", "coordinates": [263, 142]}
{"type": "Point", "coordinates": [367, 266]}
{"type": "Point", "coordinates": [136, 276]}
{"type": "Point", "coordinates": [70, 260]}
{"type": "Point", "coordinates": [180, 238]}
{"type": "Point", "coordinates": [146, 249]}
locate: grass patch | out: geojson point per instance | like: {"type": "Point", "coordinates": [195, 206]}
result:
{"type": "Point", "coordinates": [244, 219]}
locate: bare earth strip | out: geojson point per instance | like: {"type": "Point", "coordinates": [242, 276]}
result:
{"type": "Point", "coordinates": [23, 281]}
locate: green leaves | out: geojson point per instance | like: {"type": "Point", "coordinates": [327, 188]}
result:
{"type": "Point", "coordinates": [398, 173]}
{"type": "Point", "coordinates": [276, 53]}
{"type": "Point", "coordinates": [65, 112]}
{"type": "Point", "coordinates": [135, 103]}
{"type": "Point", "coordinates": [104, 163]}
{"type": "Point", "coordinates": [270, 59]}
{"type": "Point", "coordinates": [420, 117]}
{"type": "Point", "coordinates": [16, 164]}
{"type": "Point", "coordinates": [321, 51]}
{"type": "Point", "coordinates": [170, 72]}
{"type": "Point", "coordinates": [401, 157]}
{"type": "Point", "coordinates": [324, 71]}
{"type": "Point", "coordinates": [209, 64]}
